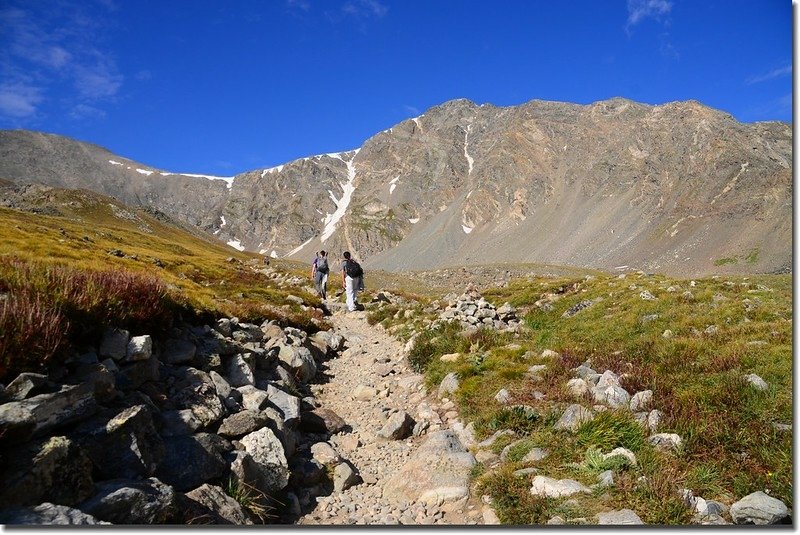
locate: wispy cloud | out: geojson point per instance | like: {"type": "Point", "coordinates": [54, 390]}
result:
{"type": "Point", "coordinates": [365, 8]}
{"type": "Point", "coordinates": [302, 5]}
{"type": "Point", "coordinates": [47, 49]}
{"type": "Point", "coordinates": [638, 10]}
{"type": "Point", "coordinates": [411, 109]}
{"type": "Point", "coordinates": [786, 70]}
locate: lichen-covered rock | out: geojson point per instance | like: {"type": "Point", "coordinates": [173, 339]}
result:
{"type": "Point", "coordinates": [54, 469]}
{"type": "Point", "coordinates": [203, 401]}
{"type": "Point", "coordinates": [24, 384]}
{"type": "Point", "coordinates": [556, 488]}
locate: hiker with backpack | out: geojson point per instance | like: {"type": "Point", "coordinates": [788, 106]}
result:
{"type": "Point", "coordinates": [319, 272]}
{"type": "Point", "coordinates": [352, 280]}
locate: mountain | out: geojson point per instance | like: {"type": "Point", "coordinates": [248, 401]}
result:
{"type": "Point", "coordinates": [678, 188]}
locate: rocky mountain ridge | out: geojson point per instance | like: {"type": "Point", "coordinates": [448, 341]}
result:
{"type": "Point", "coordinates": [680, 188]}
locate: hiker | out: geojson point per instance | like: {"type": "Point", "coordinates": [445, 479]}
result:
{"type": "Point", "coordinates": [319, 272]}
{"type": "Point", "coordinates": [352, 280]}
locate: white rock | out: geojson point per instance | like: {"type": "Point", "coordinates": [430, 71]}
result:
{"type": "Point", "coordinates": [641, 400]}
{"type": "Point", "coordinates": [556, 488]}
{"type": "Point", "coordinates": [758, 508]}
{"type": "Point", "coordinates": [757, 382]}
{"type": "Point", "coordinates": [140, 348]}
{"type": "Point", "coordinates": [502, 396]}
{"type": "Point", "coordinates": [621, 517]}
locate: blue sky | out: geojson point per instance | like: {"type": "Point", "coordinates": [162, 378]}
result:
{"type": "Point", "coordinates": [225, 87]}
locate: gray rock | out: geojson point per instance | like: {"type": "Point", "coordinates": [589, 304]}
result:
{"type": "Point", "coordinates": [23, 385]}
{"type": "Point", "coordinates": [621, 452]}
{"type": "Point", "coordinates": [221, 506]}
{"type": "Point", "coordinates": [135, 374]}
{"type": "Point", "coordinates": [573, 417]}
{"type": "Point", "coordinates": [114, 344]}
{"type": "Point", "coordinates": [49, 470]}
{"type": "Point", "coordinates": [502, 396]}
{"type": "Point", "coordinates": [613, 395]}
{"type": "Point", "coordinates": [757, 382]}
{"type": "Point", "coordinates": [448, 385]}
{"type": "Point", "coordinates": [653, 419]}
{"type": "Point", "coordinates": [123, 501]}
{"type": "Point", "coordinates": [758, 508]}
{"type": "Point", "coordinates": [47, 514]}
{"type": "Point", "coordinates": [577, 387]}
{"type": "Point", "coordinates": [397, 427]}
{"type": "Point", "coordinates": [641, 400]}
{"type": "Point", "coordinates": [325, 454]}
{"type": "Point", "coordinates": [299, 360]}
{"type": "Point", "coordinates": [665, 441]}
{"type": "Point", "coordinates": [268, 455]}
{"type": "Point", "coordinates": [221, 384]}
{"type": "Point", "coordinates": [177, 351]}
{"type": "Point", "coordinates": [438, 471]}
{"type": "Point", "coordinates": [101, 379]}
{"type": "Point", "coordinates": [608, 378]}
{"type": "Point", "coordinates": [242, 423]}
{"type": "Point", "coordinates": [124, 446]}
{"type": "Point", "coordinates": [525, 472]}
{"type": "Point", "coordinates": [556, 488]}
{"type": "Point", "coordinates": [605, 478]}
{"type": "Point", "coordinates": [203, 401]}
{"type": "Point", "coordinates": [344, 477]}
{"type": "Point", "coordinates": [191, 460]}
{"type": "Point", "coordinates": [620, 517]}
{"type": "Point", "coordinates": [21, 420]}
{"type": "Point", "coordinates": [496, 435]}
{"type": "Point", "coordinates": [239, 372]}
{"type": "Point", "coordinates": [247, 332]}
{"type": "Point", "coordinates": [139, 348]}
{"type": "Point", "coordinates": [287, 404]}
{"type": "Point", "coordinates": [253, 399]}
{"type": "Point", "coordinates": [535, 455]}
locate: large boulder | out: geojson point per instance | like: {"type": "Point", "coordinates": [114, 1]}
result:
{"type": "Point", "coordinates": [759, 508]}
{"type": "Point", "coordinates": [21, 420]}
{"type": "Point", "coordinates": [573, 417]}
{"type": "Point", "coordinates": [438, 470]}
{"type": "Point", "coordinates": [124, 446]}
{"type": "Point", "coordinates": [299, 360]}
{"type": "Point", "coordinates": [222, 508]}
{"type": "Point", "coordinates": [203, 401]}
{"type": "Point", "coordinates": [287, 404]}
{"type": "Point", "coordinates": [122, 501]}
{"type": "Point", "coordinates": [239, 372]}
{"type": "Point", "coordinates": [398, 426]}
{"type": "Point", "coordinates": [139, 348]}
{"type": "Point", "coordinates": [47, 514]}
{"type": "Point", "coordinates": [268, 454]}
{"type": "Point", "coordinates": [24, 385]}
{"type": "Point", "coordinates": [114, 344]}
{"type": "Point", "coordinates": [55, 470]}
{"type": "Point", "coordinates": [191, 460]}
{"type": "Point", "coordinates": [178, 351]}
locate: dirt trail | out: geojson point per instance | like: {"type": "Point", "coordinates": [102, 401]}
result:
{"type": "Point", "coordinates": [375, 359]}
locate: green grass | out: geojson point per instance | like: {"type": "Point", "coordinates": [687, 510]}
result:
{"type": "Point", "coordinates": [720, 329]}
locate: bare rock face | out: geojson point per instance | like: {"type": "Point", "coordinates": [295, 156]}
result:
{"type": "Point", "coordinates": [671, 187]}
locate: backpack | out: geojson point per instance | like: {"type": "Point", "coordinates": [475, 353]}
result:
{"type": "Point", "coordinates": [322, 264]}
{"type": "Point", "coordinates": [353, 269]}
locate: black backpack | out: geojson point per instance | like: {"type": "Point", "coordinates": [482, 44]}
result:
{"type": "Point", "coordinates": [322, 264]}
{"type": "Point", "coordinates": [353, 268]}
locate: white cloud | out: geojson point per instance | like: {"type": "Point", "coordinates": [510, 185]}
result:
{"type": "Point", "coordinates": [48, 49]}
{"type": "Point", "coordinates": [786, 70]}
{"type": "Point", "coordinates": [411, 109]}
{"type": "Point", "coordinates": [639, 10]}
{"type": "Point", "coordinates": [365, 8]}
{"type": "Point", "coordinates": [19, 100]}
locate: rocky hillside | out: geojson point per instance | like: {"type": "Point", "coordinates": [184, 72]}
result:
{"type": "Point", "coordinates": [678, 188]}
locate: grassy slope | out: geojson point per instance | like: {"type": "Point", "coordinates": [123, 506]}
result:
{"type": "Point", "coordinates": [200, 275]}
{"type": "Point", "coordinates": [730, 445]}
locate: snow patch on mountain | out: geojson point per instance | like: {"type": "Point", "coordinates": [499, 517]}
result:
{"type": "Point", "coordinates": [331, 220]}
{"type": "Point", "coordinates": [414, 220]}
{"type": "Point", "coordinates": [227, 179]}
{"type": "Point", "coordinates": [466, 229]}
{"type": "Point", "coordinates": [236, 244]}
{"type": "Point", "coordinates": [470, 161]}
{"type": "Point", "coordinates": [112, 162]}
{"type": "Point", "coordinates": [297, 249]}
{"type": "Point", "coordinates": [276, 169]}
{"type": "Point", "coordinates": [144, 172]}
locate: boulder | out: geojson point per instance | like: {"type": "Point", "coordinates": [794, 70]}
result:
{"type": "Point", "coordinates": [321, 420]}
{"type": "Point", "coordinates": [573, 417]}
{"type": "Point", "coordinates": [135, 374]}
{"type": "Point", "coordinates": [344, 477]}
{"type": "Point", "coordinates": [114, 344]}
{"type": "Point", "coordinates": [247, 332]}
{"type": "Point", "coordinates": [24, 385]}
{"type": "Point", "coordinates": [239, 372]}
{"type": "Point", "coordinates": [101, 379]}
{"type": "Point", "coordinates": [535, 455]}
{"type": "Point", "coordinates": [139, 348]}
{"type": "Point", "coordinates": [323, 453]}
{"type": "Point", "coordinates": [223, 508]}
{"type": "Point", "coordinates": [191, 460]}
{"type": "Point", "coordinates": [305, 473]}
{"type": "Point", "coordinates": [397, 427]}
{"type": "Point", "coordinates": [55, 470]}
{"type": "Point", "coordinates": [758, 508]}
{"type": "Point", "coordinates": [448, 385]}
{"type": "Point", "coordinates": [617, 518]}
{"type": "Point", "coordinates": [641, 400]}
{"type": "Point", "coordinates": [270, 460]}
{"type": "Point", "coordinates": [178, 351]}
{"type": "Point", "coordinates": [122, 501]}
{"type": "Point", "coordinates": [124, 446]}
{"type": "Point", "coordinates": [299, 360]}
{"type": "Point", "coordinates": [21, 420]}
{"type": "Point", "coordinates": [438, 471]}
{"type": "Point", "coordinates": [556, 488]}
{"type": "Point", "coordinates": [242, 423]}
{"type": "Point", "coordinates": [577, 387]}
{"type": "Point", "coordinates": [203, 401]}
{"type": "Point", "coordinates": [47, 514]}
{"type": "Point", "coordinates": [502, 396]}
{"type": "Point", "coordinates": [613, 395]}
{"type": "Point", "coordinates": [221, 384]}
{"type": "Point", "coordinates": [179, 422]}
{"type": "Point", "coordinates": [253, 399]}
{"type": "Point", "coordinates": [665, 441]}
{"type": "Point", "coordinates": [287, 404]}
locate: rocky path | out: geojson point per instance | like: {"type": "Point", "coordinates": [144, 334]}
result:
{"type": "Point", "coordinates": [370, 384]}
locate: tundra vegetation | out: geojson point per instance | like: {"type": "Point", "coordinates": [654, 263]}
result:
{"type": "Point", "coordinates": [691, 342]}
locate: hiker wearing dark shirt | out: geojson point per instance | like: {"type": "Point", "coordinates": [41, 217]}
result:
{"type": "Point", "coordinates": [352, 280]}
{"type": "Point", "coordinates": [319, 272]}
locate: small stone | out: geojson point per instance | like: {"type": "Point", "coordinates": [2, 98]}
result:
{"type": "Point", "coordinates": [621, 517]}
{"type": "Point", "coordinates": [139, 348]}
{"type": "Point", "coordinates": [757, 382]}
{"type": "Point", "coordinates": [641, 400]}
{"type": "Point", "coordinates": [665, 441]}
{"type": "Point", "coordinates": [502, 396]}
